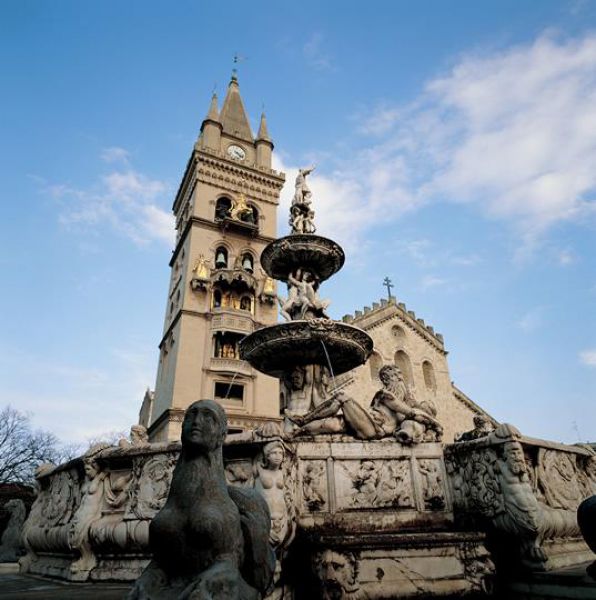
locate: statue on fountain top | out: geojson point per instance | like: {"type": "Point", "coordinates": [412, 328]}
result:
{"type": "Point", "coordinates": [302, 194]}
{"type": "Point", "coordinates": [301, 215]}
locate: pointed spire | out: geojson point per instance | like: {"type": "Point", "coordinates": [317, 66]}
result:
{"type": "Point", "coordinates": [233, 116]}
{"type": "Point", "coordinates": [263, 132]}
{"type": "Point", "coordinates": [213, 114]}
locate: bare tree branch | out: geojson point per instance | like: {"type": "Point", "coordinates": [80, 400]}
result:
{"type": "Point", "coordinates": [22, 449]}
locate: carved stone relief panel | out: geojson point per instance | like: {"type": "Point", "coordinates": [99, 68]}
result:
{"type": "Point", "coordinates": [433, 484]}
{"type": "Point", "coordinates": [313, 482]}
{"type": "Point", "coordinates": [240, 473]}
{"type": "Point", "coordinates": [380, 483]}
{"type": "Point", "coordinates": [153, 477]}
{"type": "Point", "coordinates": [558, 479]}
{"type": "Point", "coordinates": [62, 498]}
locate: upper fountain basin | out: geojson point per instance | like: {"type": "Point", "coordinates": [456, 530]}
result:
{"type": "Point", "coordinates": [309, 252]}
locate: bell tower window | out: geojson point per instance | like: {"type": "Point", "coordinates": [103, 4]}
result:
{"type": "Point", "coordinates": [222, 208]}
{"type": "Point", "coordinates": [247, 262]}
{"type": "Point", "coordinates": [221, 258]}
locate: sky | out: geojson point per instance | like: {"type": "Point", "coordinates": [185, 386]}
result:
{"type": "Point", "coordinates": [455, 152]}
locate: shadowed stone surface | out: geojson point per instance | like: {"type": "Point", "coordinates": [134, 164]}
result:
{"type": "Point", "coordinates": [277, 349]}
{"type": "Point", "coordinates": [22, 587]}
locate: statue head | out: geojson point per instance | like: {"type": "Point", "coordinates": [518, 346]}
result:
{"type": "Point", "coordinates": [481, 422]}
{"type": "Point", "coordinates": [91, 467]}
{"type": "Point", "coordinates": [591, 467]}
{"type": "Point", "coordinates": [205, 426]}
{"type": "Point", "coordinates": [138, 435]}
{"type": "Point", "coordinates": [273, 454]}
{"type": "Point", "coordinates": [390, 375]}
{"type": "Point", "coordinates": [297, 378]}
{"type": "Point", "coordinates": [513, 454]}
{"type": "Point", "coordinates": [337, 573]}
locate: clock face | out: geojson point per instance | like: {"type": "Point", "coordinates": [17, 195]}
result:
{"type": "Point", "coordinates": [236, 152]}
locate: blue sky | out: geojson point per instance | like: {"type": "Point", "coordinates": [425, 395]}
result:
{"type": "Point", "coordinates": [455, 147]}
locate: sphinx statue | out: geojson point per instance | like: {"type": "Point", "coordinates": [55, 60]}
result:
{"type": "Point", "coordinates": [210, 541]}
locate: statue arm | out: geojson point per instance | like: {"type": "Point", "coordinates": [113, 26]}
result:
{"type": "Point", "coordinates": [396, 404]}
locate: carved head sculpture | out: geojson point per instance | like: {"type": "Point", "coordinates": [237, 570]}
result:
{"type": "Point", "coordinates": [337, 573]}
{"type": "Point", "coordinates": [297, 378]}
{"type": "Point", "coordinates": [204, 427]}
{"type": "Point", "coordinates": [390, 375]}
{"type": "Point", "coordinates": [481, 422]}
{"type": "Point", "coordinates": [138, 435]}
{"type": "Point", "coordinates": [273, 455]}
{"type": "Point", "coordinates": [513, 453]}
{"type": "Point", "coordinates": [90, 467]}
{"type": "Point", "coordinates": [591, 467]}
{"type": "Point", "coordinates": [90, 464]}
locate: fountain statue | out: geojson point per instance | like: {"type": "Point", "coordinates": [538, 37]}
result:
{"type": "Point", "coordinates": [309, 345]}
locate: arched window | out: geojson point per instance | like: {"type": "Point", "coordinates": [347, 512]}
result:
{"type": "Point", "coordinates": [221, 258]}
{"type": "Point", "coordinates": [398, 333]}
{"type": "Point", "coordinates": [402, 360]}
{"type": "Point", "coordinates": [216, 299]}
{"type": "Point", "coordinates": [375, 362]}
{"type": "Point", "coordinates": [247, 262]}
{"type": "Point", "coordinates": [251, 217]}
{"type": "Point", "coordinates": [429, 376]}
{"type": "Point", "coordinates": [222, 208]}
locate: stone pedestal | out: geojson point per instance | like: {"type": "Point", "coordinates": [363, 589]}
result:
{"type": "Point", "coordinates": [376, 521]}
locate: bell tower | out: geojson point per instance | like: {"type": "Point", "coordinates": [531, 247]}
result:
{"type": "Point", "coordinates": [225, 211]}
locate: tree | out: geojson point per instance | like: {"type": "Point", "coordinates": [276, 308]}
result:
{"type": "Point", "coordinates": [22, 449]}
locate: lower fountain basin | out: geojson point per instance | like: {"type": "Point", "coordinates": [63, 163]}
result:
{"type": "Point", "coordinates": [278, 349]}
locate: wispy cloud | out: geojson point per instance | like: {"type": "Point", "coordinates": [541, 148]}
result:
{"type": "Point", "coordinates": [588, 357]}
{"type": "Point", "coordinates": [532, 319]}
{"type": "Point", "coordinates": [510, 133]}
{"type": "Point", "coordinates": [315, 54]}
{"type": "Point", "coordinates": [432, 281]}
{"type": "Point", "coordinates": [124, 199]}
{"type": "Point", "coordinates": [115, 154]}
{"type": "Point", "coordinates": [565, 257]}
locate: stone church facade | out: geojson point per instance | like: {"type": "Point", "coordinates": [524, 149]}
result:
{"type": "Point", "coordinates": [402, 339]}
{"type": "Point", "coordinates": [226, 213]}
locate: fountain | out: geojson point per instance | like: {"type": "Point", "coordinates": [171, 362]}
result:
{"type": "Point", "coordinates": [366, 502]}
{"type": "Point", "coordinates": [309, 340]}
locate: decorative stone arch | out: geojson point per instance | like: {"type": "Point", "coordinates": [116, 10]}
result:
{"type": "Point", "coordinates": [375, 362]}
{"type": "Point", "coordinates": [402, 360]}
{"type": "Point", "coordinates": [398, 333]}
{"type": "Point", "coordinates": [428, 373]}
{"type": "Point", "coordinates": [247, 256]}
{"type": "Point", "coordinates": [223, 245]}
{"type": "Point", "coordinates": [256, 213]}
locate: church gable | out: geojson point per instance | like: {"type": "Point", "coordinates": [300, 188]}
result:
{"type": "Point", "coordinates": [402, 339]}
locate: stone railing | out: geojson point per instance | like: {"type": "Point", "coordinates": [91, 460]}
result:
{"type": "Point", "coordinates": [524, 494]}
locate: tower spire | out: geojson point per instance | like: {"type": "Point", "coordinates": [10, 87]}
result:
{"type": "Point", "coordinates": [233, 116]}
{"type": "Point", "coordinates": [263, 131]}
{"type": "Point", "coordinates": [213, 114]}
